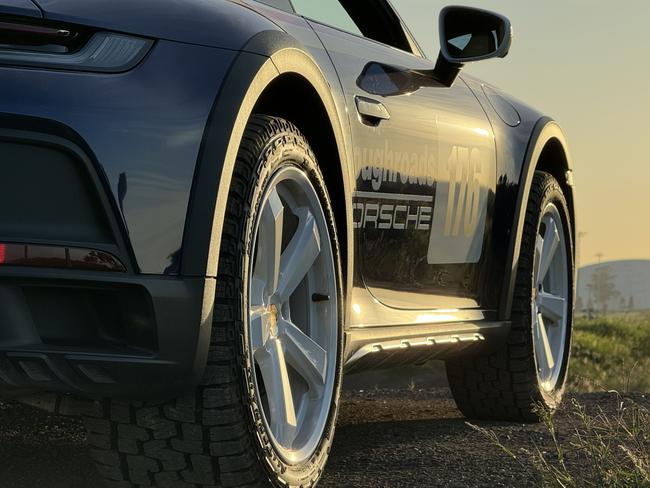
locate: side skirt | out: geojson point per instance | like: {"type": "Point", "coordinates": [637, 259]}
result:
{"type": "Point", "coordinates": [398, 345]}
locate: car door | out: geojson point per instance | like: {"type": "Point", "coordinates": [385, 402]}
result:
{"type": "Point", "coordinates": [424, 159]}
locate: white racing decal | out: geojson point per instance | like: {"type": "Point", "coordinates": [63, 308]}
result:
{"type": "Point", "coordinates": [461, 179]}
{"type": "Point", "coordinates": [382, 166]}
{"type": "Point", "coordinates": [371, 215]}
{"type": "Point", "coordinates": [393, 196]}
{"type": "Point", "coordinates": [460, 213]}
{"type": "Point", "coordinates": [463, 182]}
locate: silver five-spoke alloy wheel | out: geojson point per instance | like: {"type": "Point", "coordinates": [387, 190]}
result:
{"type": "Point", "coordinates": [292, 312]}
{"type": "Point", "coordinates": [550, 298]}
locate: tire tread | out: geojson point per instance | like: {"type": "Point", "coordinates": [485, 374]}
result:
{"type": "Point", "coordinates": [504, 385]}
{"type": "Point", "coordinates": [202, 440]}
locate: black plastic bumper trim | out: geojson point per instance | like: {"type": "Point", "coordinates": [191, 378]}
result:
{"type": "Point", "coordinates": [183, 318]}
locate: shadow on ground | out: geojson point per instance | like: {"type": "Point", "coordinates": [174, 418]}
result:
{"type": "Point", "coordinates": [385, 438]}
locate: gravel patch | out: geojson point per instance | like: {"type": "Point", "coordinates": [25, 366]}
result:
{"type": "Point", "coordinates": [385, 438]}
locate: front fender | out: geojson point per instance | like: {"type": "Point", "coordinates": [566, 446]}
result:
{"type": "Point", "coordinates": [521, 134]}
{"type": "Point", "coordinates": [546, 131]}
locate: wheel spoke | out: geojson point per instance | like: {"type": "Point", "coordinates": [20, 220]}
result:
{"type": "Point", "coordinates": [273, 367]}
{"type": "Point", "coordinates": [256, 297]}
{"type": "Point", "coordinates": [259, 326]}
{"type": "Point", "coordinates": [299, 256]}
{"type": "Point", "coordinates": [291, 280]}
{"type": "Point", "coordinates": [552, 307]}
{"type": "Point", "coordinates": [551, 242]}
{"type": "Point", "coordinates": [539, 249]}
{"type": "Point", "coordinates": [546, 346]}
{"type": "Point", "coordinates": [269, 249]}
{"type": "Point", "coordinates": [304, 354]}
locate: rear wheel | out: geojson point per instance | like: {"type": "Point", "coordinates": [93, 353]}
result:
{"type": "Point", "coordinates": [264, 414]}
{"type": "Point", "coordinates": [530, 370]}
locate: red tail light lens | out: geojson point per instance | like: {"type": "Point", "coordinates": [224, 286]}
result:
{"type": "Point", "coordinates": [32, 33]}
{"type": "Point", "coordinates": [58, 257]}
{"type": "Point", "coordinates": [41, 38]}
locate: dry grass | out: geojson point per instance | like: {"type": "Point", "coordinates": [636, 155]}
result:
{"type": "Point", "coordinates": [609, 354]}
{"type": "Point", "coordinates": [615, 448]}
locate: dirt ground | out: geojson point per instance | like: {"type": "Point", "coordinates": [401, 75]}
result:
{"type": "Point", "coordinates": [385, 438]}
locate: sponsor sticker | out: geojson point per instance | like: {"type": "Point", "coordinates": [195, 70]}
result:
{"type": "Point", "coordinates": [417, 193]}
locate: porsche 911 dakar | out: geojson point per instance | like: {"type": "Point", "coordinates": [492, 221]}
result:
{"type": "Point", "coordinates": [212, 210]}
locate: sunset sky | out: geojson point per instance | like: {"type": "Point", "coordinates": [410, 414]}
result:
{"type": "Point", "coordinates": [585, 63]}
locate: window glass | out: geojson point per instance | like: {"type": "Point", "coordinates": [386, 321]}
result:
{"type": "Point", "coordinates": [281, 4]}
{"type": "Point", "coordinates": [329, 12]}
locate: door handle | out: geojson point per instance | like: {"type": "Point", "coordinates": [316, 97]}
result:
{"type": "Point", "coordinates": [371, 111]}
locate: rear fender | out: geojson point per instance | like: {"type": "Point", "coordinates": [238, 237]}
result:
{"type": "Point", "coordinates": [275, 54]}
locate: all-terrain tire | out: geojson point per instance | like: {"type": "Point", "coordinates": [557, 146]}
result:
{"type": "Point", "coordinates": [504, 385]}
{"type": "Point", "coordinates": [215, 437]}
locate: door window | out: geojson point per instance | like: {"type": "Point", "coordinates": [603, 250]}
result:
{"type": "Point", "coordinates": [281, 4]}
{"type": "Point", "coordinates": [329, 12]}
{"type": "Point", "coordinates": [373, 19]}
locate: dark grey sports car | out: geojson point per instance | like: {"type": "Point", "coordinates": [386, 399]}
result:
{"type": "Point", "coordinates": [211, 210]}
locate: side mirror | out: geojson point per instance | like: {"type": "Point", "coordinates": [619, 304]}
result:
{"type": "Point", "coordinates": [388, 80]}
{"type": "Point", "coordinates": [470, 34]}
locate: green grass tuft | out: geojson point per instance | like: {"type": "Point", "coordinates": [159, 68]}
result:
{"type": "Point", "coordinates": [611, 353]}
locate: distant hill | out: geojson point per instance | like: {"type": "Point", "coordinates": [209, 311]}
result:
{"type": "Point", "coordinates": [630, 278]}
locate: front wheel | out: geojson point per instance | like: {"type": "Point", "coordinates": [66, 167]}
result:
{"type": "Point", "coordinates": [265, 412]}
{"type": "Point", "coordinates": [530, 370]}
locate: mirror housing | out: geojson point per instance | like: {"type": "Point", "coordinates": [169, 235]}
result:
{"type": "Point", "coordinates": [470, 34]}
{"type": "Point", "coordinates": [388, 81]}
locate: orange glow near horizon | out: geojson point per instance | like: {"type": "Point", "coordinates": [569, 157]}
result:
{"type": "Point", "coordinates": [584, 64]}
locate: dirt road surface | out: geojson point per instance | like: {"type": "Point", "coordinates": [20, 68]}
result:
{"type": "Point", "coordinates": [385, 438]}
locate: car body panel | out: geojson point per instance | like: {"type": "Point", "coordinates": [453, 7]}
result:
{"type": "Point", "coordinates": [20, 7]}
{"type": "Point", "coordinates": [402, 182]}
{"type": "Point", "coordinates": [547, 136]}
{"type": "Point", "coordinates": [135, 133]}
{"type": "Point", "coordinates": [519, 149]}
{"type": "Point", "coordinates": [511, 144]}
{"type": "Point", "coordinates": [191, 22]}
{"type": "Point", "coordinates": [163, 138]}
{"type": "Point", "coordinates": [295, 50]}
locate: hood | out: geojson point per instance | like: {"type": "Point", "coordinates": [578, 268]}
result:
{"type": "Point", "coordinates": [215, 23]}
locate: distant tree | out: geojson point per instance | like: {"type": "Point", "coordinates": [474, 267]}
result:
{"type": "Point", "coordinates": [602, 288]}
{"type": "Point", "coordinates": [579, 305]}
{"type": "Point", "coordinates": [622, 304]}
{"type": "Point", "coordinates": [630, 303]}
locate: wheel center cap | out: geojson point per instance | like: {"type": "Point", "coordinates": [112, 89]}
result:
{"type": "Point", "coordinates": [274, 315]}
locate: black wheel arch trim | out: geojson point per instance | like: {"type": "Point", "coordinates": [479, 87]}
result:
{"type": "Point", "coordinates": [545, 131]}
{"type": "Point", "coordinates": [265, 57]}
